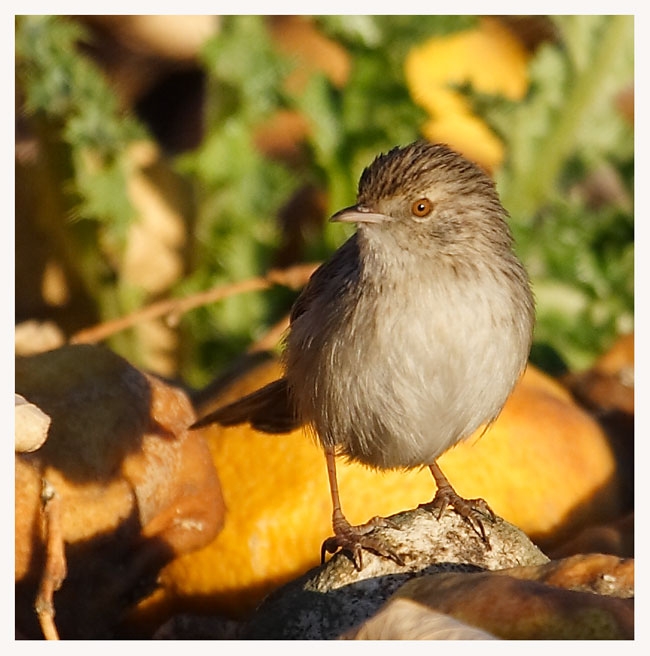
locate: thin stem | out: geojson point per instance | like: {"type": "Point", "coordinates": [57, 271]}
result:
{"type": "Point", "coordinates": [535, 183]}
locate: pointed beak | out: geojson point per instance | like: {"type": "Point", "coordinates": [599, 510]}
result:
{"type": "Point", "coordinates": [359, 214]}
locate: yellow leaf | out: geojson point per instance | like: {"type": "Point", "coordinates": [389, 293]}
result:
{"type": "Point", "coordinates": [469, 135]}
{"type": "Point", "coordinates": [490, 59]}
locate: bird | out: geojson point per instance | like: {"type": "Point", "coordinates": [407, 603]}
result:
{"type": "Point", "coordinates": [409, 338]}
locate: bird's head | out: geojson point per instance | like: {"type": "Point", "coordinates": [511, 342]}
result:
{"type": "Point", "coordinates": [428, 191]}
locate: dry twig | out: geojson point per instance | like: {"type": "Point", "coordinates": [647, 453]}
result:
{"type": "Point", "coordinates": [293, 277]}
{"type": "Point", "coordinates": [55, 569]}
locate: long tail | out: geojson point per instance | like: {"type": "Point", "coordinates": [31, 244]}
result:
{"type": "Point", "coordinates": [268, 409]}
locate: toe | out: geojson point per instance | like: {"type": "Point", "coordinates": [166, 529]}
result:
{"type": "Point", "coordinates": [353, 540]}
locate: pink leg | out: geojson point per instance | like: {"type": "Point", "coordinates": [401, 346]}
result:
{"type": "Point", "coordinates": [352, 539]}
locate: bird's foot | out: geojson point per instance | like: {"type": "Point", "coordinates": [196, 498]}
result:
{"type": "Point", "coordinates": [354, 539]}
{"type": "Point", "coordinates": [473, 511]}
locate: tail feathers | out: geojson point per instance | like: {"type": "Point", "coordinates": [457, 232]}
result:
{"type": "Point", "coordinates": [268, 409]}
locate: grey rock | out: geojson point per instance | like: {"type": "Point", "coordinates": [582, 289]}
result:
{"type": "Point", "coordinates": [332, 599]}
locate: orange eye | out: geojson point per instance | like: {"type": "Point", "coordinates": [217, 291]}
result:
{"type": "Point", "coordinates": [422, 207]}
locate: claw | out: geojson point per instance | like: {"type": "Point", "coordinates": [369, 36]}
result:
{"type": "Point", "coordinates": [470, 510]}
{"type": "Point", "coordinates": [354, 539]}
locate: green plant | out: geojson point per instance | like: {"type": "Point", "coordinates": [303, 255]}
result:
{"type": "Point", "coordinates": [561, 141]}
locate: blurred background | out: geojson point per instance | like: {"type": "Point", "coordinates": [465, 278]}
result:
{"type": "Point", "coordinates": [158, 157]}
{"type": "Point", "coordinates": [174, 177]}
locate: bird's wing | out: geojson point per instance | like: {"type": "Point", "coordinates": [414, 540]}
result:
{"type": "Point", "coordinates": [268, 409]}
{"type": "Point", "coordinates": [341, 265]}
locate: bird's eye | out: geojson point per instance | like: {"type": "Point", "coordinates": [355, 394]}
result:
{"type": "Point", "coordinates": [422, 207]}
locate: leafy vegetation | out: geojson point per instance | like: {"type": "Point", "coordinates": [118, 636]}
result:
{"type": "Point", "coordinates": [566, 177]}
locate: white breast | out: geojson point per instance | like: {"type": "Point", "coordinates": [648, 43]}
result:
{"type": "Point", "coordinates": [404, 376]}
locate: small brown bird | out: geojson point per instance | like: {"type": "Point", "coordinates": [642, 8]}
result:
{"type": "Point", "coordinates": [410, 337]}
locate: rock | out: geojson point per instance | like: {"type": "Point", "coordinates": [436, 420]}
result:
{"type": "Point", "coordinates": [606, 391]}
{"type": "Point", "coordinates": [403, 619]}
{"type": "Point", "coordinates": [198, 627]}
{"type": "Point", "coordinates": [31, 425]}
{"type": "Point", "coordinates": [598, 573]}
{"type": "Point", "coordinates": [331, 600]}
{"type": "Point", "coordinates": [545, 465]}
{"type": "Point", "coordinates": [134, 488]}
{"type": "Point", "coordinates": [31, 337]}
{"type": "Point", "coordinates": [516, 609]}
{"type": "Point", "coordinates": [609, 384]}
{"type": "Point", "coordinates": [615, 537]}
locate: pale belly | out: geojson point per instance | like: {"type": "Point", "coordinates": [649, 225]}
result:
{"type": "Point", "coordinates": [397, 386]}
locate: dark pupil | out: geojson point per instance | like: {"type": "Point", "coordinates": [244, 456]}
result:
{"type": "Point", "coordinates": [421, 207]}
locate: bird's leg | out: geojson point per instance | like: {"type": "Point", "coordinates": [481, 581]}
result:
{"type": "Point", "coordinates": [470, 510]}
{"type": "Point", "coordinates": [352, 539]}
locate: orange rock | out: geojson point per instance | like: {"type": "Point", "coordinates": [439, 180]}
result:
{"type": "Point", "coordinates": [544, 465]}
{"type": "Point", "coordinates": [135, 487]}
{"type": "Point", "coordinates": [595, 572]}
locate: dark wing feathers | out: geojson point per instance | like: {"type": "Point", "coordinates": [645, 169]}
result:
{"type": "Point", "coordinates": [268, 409]}
{"type": "Point", "coordinates": [340, 271]}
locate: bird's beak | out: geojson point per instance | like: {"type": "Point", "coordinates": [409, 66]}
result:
{"type": "Point", "coordinates": [359, 214]}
